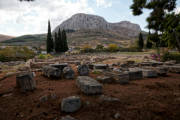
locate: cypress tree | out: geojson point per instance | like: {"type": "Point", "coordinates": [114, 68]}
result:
{"type": "Point", "coordinates": [64, 39]}
{"type": "Point", "coordinates": [60, 41]}
{"type": "Point", "coordinates": [149, 43]}
{"type": "Point", "coordinates": [49, 42]}
{"type": "Point", "coordinates": [56, 42]}
{"type": "Point", "coordinates": [141, 41]}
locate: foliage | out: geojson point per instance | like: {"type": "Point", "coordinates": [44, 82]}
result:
{"type": "Point", "coordinates": [87, 49]}
{"type": "Point", "coordinates": [97, 72]}
{"type": "Point", "coordinates": [99, 47]}
{"type": "Point", "coordinates": [45, 56]}
{"type": "Point", "coordinates": [15, 54]}
{"type": "Point", "coordinates": [64, 41]}
{"type": "Point", "coordinates": [49, 42]}
{"type": "Point", "coordinates": [140, 41]}
{"type": "Point", "coordinates": [170, 56]}
{"type": "Point", "coordinates": [113, 48]}
{"type": "Point", "coordinates": [156, 19]}
{"type": "Point", "coordinates": [149, 44]}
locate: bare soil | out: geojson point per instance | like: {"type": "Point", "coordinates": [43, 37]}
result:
{"type": "Point", "coordinates": [147, 99]}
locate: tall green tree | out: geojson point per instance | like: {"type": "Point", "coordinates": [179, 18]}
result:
{"type": "Point", "coordinates": [49, 41]}
{"type": "Point", "coordinates": [140, 41]}
{"type": "Point", "coordinates": [64, 39]}
{"type": "Point", "coordinates": [149, 43]}
{"type": "Point", "coordinates": [156, 19]}
{"type": "Point", "coordinates": [56, 42]}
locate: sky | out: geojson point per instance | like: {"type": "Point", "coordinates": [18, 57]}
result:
{"type": "Point", "coordinates": [21, 18]}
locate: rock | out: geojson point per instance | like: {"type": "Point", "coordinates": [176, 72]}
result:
{"type": "Point", "coordinates": [122, 78]}
{"type": "Point", "coordinates": [117, 116]}
{"type": "Point", "coordinates": [43, 98]}
{"type": "Point", "coordinates": [71, 104]}
{"type": "Point", "coordinates": [83, 70]}
{"type": "Point", "coordinates": [51, 72]}
{"type": "Point", "coordinates": [26, 82]}
{"type": "Point", "coordinates": [161, 71]}
{"type": "Point", "coordinates": [88, 85]}
{"type": "Point", "coordinates": [68, 73]}
{"type": "Point", "coordinates": [101, 66]}
{"type": "Point", "coordinates": [68, 118]}
{"type": "Point", "coordinates": [60, 66]}
{"type": "Point", "coordinates": [149, 73]}
{"type": "Point", "coordinates": [172, 62]}
{"type": "Point", "coordinates": [117, 70]}
{"type": "Point", "coordinates": [108, 99]}
{"type": "Point", "coordinates": [174, 69]}
{"type": "Point", "coordinates": [135, 74]}
{"type": "Point", "coordinates": [105, 79]}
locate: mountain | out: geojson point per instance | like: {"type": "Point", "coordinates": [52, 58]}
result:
{"type": "Point", "coordinates": [83, 29]}
{"type": "Point", "coordinates": [5, 37]}
{"type": "Point", "coordinates": [80, 22]}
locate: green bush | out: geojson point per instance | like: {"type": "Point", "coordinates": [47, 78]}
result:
{"type": "Point", "coordinates": [45, 56]}
{"type": "Point", "coordinates": [99, 47]}
{"type": "Point", "coordinates": [15, 54]}
{"type": "Point", "coordinates": [170, 56]}
{"type": "Point", "coordinates": [87, 49]}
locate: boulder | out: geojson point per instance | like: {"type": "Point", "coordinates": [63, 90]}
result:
{"type": "Point", "coordinates": [88, 85]}
{"type": "Point", "coordinates": [51, 72]}
{"type": "Point", "coordinates": [60, 66]}
{"type": "Point", "coordinates": [26, 82]}
{"type": "Point", "coordinates": [149, 73]}
{"type": "Point", "coordinates": [68, 73]}
{"type": "Point", "coordinates": [101, 66]}
{"type": "Point", "coordinates": [71, 104]}
{"type": "Point", "coordinates": [105, 79]}
{"type": "Point", "coordinates": [135, 74]}
{"type": "Point", "coordinates": [83, 70]}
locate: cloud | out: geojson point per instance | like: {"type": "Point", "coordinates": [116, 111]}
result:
{"type": "Point", "coordinates": [103, 3]}
{"type": "Point", "coordinates": [18, 18]}
{"type": "Point", "coordinates": [177, 10]}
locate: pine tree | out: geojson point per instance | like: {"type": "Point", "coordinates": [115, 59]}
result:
{"type": "Point", "coordinates": [64, 39]}
{"type": "Point", "coordinates": [49, 42]}
{"type": "Point", "coordinates": [140, 41]}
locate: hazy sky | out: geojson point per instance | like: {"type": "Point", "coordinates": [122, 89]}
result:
{"type": "Point", "coordinates": [19, 18]}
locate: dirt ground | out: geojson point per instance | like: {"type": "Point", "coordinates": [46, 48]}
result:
{"type": "Point", "coordinates": [147, 99]}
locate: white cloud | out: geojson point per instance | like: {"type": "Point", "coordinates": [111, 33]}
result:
{"type": "Point", "coordinates": [103, 3]}
{"type": "Point", "coordinates": [177, 10]}
{"type": "Point", "coordinates": [18, 18]}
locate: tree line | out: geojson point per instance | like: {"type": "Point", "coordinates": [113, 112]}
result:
{"type": "Point", "coordinates": [163, 22]}
{"type": "Point", "coordinates": [59, 43]}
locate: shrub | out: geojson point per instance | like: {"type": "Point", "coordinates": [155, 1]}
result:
{"type": "Point", "coordinates": [45, 56]}
{"type": "Point", "coordinates": [87, 49]}
{"type": "Point", "coordinates": [15, 54]}
{"type": "Point", "coordinates": [113, 48]}
{"type": "Point", "coordinates": [99, 47]}
{"type": "Point", "coordinates": [170, 56]}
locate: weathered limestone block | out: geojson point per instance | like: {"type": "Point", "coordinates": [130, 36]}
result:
{"type": "Point", "coordinates": [174, 69]}
{"type": "Point", "coordinates": [71, 104]}
{"type": "Point", "coordinates": [122, 78]}
{"type": "Point", "coordinates": [83, 70]}
{"type": "Point", "coordinates": [105, 79]}
{"type": "Point", "coordinates": [161, 71]}
{"type": "Point", "coordinates": [68, 73]}
{"type": "Point", "coordinates": [101, 66]}
{"type": "Point", "coordinates": [135, 74]}
{"type": "Point", "coordinates": [26, 82]}
{"type": "Point", "coordinates": [60, 66]}
{"type": "Point", "coordinates": [88, 85]}
{"type": "Point", "coordinates": [149, 73]}
{"type": "Point", "coordinates": [51, 72]}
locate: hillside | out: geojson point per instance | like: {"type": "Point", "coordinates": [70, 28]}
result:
{"type": "Point", "coordinates": [87, 29]}
{"type": "Point", "coordinates": [5, 37]}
